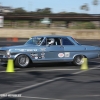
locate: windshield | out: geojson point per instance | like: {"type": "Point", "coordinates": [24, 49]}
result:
{"type": "Point", "coordinates": [35, 41]}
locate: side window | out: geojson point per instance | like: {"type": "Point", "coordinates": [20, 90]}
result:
{"type": "Point", "coordinates": [57, 41]}
{"type": "Point", "coordinates": [52, 41]}
{"type": "Point", "coordinates": [44, 42]}
{"type": "Point", "coordinates": [67, 41]}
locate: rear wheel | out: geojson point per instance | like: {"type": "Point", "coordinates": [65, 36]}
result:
{"type": "Point", "coordinates": [22, 61]}
{"type": "Point", "coordinates": [78, 60]}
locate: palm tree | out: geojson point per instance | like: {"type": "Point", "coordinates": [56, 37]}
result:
{"type": "Point", "coordinates": [84, 7]}
{"type": "Point", "coordinates": [95, 2]}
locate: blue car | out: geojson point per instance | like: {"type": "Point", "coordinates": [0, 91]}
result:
{"type": "Point", "coordinates": [48, 49]}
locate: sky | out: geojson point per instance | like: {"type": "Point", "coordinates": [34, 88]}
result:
{"type": "Point", "coordinates": [55, 5]}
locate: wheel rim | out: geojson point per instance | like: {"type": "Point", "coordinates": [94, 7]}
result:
{"type": "Point", "coordinates": [79, 60]}
{"type": "Point", "coordinates": [23, 60]}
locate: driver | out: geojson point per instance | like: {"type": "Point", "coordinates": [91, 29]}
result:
{"type": "Point", "coordinates": [39, 40]}
{"type": "Point", "coordinates": [51, 41]}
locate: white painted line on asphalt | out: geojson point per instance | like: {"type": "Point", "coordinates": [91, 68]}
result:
{"type": "Point", "coordinates": [97, 68]}
{"type": "Point", "coordinates": [45, 82]}
{"type": "Point", "coordinates": [86, 70]}
{"type": "Point", "coordinates": [40, 98]}
{"type": "Point", "coordinates": [5, 69]}
{"type": "Point", "coordinates": [34, 85]}
{"type": "Point", "coordinates": [2, 71]}
{"type": "Point", "coordinates": [69, 96]}
{"type": "Point", "coordinates": [98, 95]}
{"type": "Point", "coordinates": [47, 70]}
{"type": "Point", "coordinates": [95, 62]}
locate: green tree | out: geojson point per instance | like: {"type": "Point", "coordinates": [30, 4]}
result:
{"type": "Point", "coordinates": [44, 11]}
{"type": "Point", "coordinates": [95, 2]}
{"type": "Point", "coordinates": [19, 10]}
{"type": "Point", "coordinates": [39, 10]}
{"type": "Point", "coordinates": [85, 25]}
{"type": "Point", "coordinates": [85, 7]}
{"type": "Point", "coordinates": [89, 25]}
{"type": "Point", "coordinates": [47, 10]}
{"type": "Point", "coordinates": [62, 12]}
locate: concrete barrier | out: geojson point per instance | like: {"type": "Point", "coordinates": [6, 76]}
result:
{"type": "Point", "coordinates": [27, 33]}
{"type": "Point", "coordinates": [13, 39]}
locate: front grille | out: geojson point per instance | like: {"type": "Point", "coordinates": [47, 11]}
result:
{"type": "Point", "coordinates": [2, 53]}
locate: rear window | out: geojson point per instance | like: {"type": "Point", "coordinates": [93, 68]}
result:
{"type": "Point", "coordinates": [67, 41]}
{"type": "Point", "coordinates": [75, 41]}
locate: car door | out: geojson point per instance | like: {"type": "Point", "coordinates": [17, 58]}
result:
{"type": "Point", "coordinates": [54, 52]}
{"type": "Point", "coordinates": [71, 48]}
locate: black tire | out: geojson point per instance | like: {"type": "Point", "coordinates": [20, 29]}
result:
{"type": "Point", "coordinates": [78, 60]}
{"type": "Point", "coordinates": [22, 61]}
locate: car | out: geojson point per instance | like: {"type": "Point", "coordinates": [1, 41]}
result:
{"type": "Point", "coordinates": [48, 49]}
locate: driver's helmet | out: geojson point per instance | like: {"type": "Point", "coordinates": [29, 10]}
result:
{"type": "Point", "coordinates": [51, 41]}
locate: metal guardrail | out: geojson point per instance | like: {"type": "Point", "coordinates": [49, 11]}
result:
{"type": "Point", "coordinates": [72, 17]}
{"type": "Point", "coordinates": [33, 14]}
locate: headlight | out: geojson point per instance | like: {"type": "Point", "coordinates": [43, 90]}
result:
{"type": "Point", "coordinates": [8, 53]}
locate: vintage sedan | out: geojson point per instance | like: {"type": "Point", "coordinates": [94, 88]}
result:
{"type": "Point", "coordinates": [48, 49]}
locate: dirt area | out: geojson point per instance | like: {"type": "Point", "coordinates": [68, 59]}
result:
{"type": "Point", "coordinates": [27, 33]}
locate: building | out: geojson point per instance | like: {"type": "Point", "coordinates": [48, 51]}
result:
{"type": "Point", "coordinates": [5, 9]}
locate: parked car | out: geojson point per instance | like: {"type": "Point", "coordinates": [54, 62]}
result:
{"type": "Point", "coordinates": [52, 48]}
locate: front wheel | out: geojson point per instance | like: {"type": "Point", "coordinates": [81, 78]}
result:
{"type": "Point", "coordinates": [78, 60]}
{"type": "Point", "coordinates": [22, 61]}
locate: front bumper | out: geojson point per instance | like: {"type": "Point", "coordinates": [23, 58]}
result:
{"type": "Point", "coordinates": [3, 60]}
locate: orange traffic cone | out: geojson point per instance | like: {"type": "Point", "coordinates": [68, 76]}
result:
{"type": "Point", "coordinates": [15, 39]}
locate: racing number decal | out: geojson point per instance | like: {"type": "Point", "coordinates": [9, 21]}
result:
{"type": "Point", "coordinates": [67, 54]}
{"type": "Point", "coordinates": [61, 55]}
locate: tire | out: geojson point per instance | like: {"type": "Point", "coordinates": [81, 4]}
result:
{"type": "Point", "coordinates": [78, 60]}
{"type": "Point", "coordinates": [22, 61]}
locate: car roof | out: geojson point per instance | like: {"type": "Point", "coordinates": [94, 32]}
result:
{"type": "Point", "coordinates": [51, 36]}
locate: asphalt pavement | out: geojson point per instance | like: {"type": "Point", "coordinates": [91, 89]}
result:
{"type": "Point", "coordinates": [56, 81]}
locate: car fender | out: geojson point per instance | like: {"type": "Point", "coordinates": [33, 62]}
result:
{"type": "Point", "coordinates": [21, 54]}
{"type": "Point", "coordinates": [78, 55]}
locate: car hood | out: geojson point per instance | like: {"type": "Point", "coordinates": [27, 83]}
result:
{"type": "Point", "coordinates": [19, 47]}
